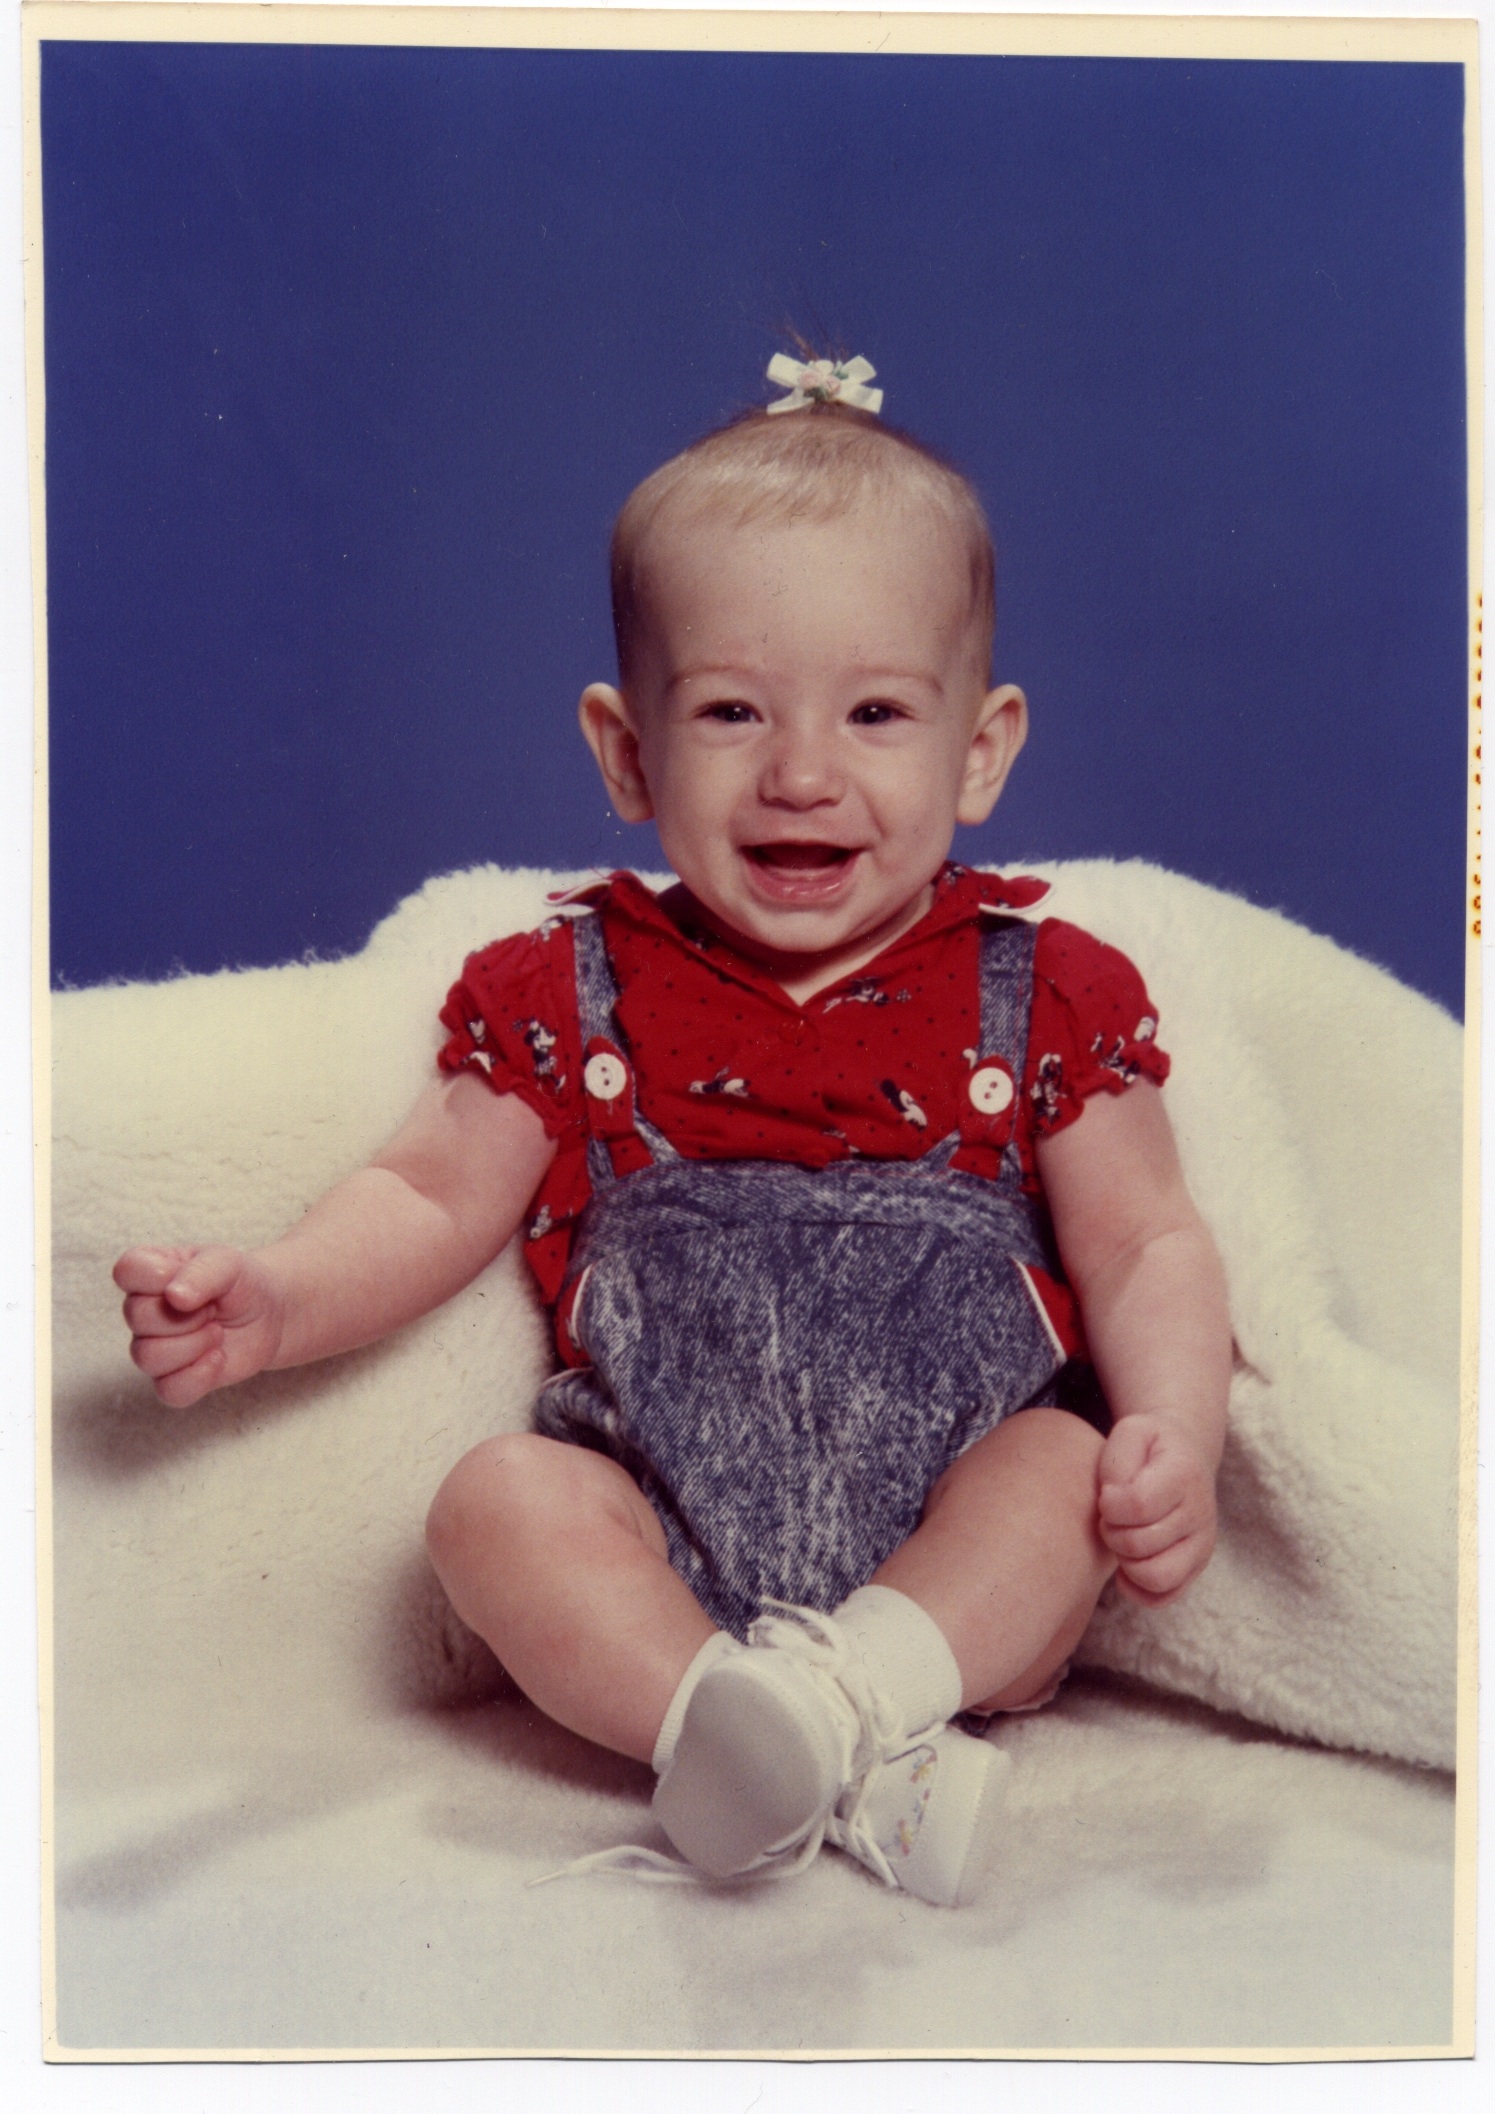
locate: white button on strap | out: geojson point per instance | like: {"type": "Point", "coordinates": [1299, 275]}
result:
{"type": "Point", "coordinates": [605, 1077]}
{"type": "Point", "coordinates": [990, 1089]}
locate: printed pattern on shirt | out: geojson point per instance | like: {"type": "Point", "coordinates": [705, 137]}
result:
{"type": "Point", "coordinates": [727, 1066]}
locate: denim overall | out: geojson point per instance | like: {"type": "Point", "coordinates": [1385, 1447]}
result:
{"type": "Point", "coordinates": [786, 1359]}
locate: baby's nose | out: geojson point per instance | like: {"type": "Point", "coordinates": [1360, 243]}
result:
{"type": "Point", "coordinates": [803, 770]}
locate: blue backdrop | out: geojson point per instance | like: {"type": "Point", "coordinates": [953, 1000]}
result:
{"type": "Point", "coordinates": [352, 354]}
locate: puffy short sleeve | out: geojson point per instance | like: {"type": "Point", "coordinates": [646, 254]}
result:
{"type": "Point", "coordinates": [512, 1016]}
{"type": "Point", "coordinates": [1093, 1028]}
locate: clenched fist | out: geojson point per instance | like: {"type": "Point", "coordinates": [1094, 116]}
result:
{"type": "Point", "coordinates": [1157, 1508]}
{"type": "Point", "coordinates": [199, 1318]}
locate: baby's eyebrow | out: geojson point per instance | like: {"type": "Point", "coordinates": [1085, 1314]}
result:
{"type": "Point", "coordinates": [869, 678]}
{"type": "Point", "coordinates": [709, 674]}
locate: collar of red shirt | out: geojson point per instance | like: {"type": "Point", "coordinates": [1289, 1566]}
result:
{"type": "Point", "coordinates": [961, 896]}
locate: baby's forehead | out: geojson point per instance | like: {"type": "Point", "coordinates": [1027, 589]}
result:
{"type": "Point", "coordinates": [901, 577]}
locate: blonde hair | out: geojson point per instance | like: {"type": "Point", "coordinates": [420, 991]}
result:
{"type": "Point", "coordinates": [806, 465]}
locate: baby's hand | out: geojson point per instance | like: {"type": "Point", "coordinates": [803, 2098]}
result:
{"type": "Point", "coordinates": [1157, 1508]}
{"type": "Point", "coordinates": [199, 1318]}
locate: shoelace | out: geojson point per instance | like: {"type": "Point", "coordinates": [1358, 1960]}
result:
{"type": "Point", "coordinates": [869, 1734]}
{"type": "Point", "coordinates": [850, 1832]}
{"type": "Point", "coordinates": [634, 1860]}
{"type": "Point", "coordinates": [821, 1640]}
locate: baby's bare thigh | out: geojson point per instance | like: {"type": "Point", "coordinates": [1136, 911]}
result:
{"type": "Point", "coordinates": [1050, 1454]}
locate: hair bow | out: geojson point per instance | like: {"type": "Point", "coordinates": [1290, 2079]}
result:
{"type": "Point", "coordinates": [823, 382]}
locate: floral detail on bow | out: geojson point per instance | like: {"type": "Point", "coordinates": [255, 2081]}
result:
{"type": "Point", "coordinates": [824, 382]}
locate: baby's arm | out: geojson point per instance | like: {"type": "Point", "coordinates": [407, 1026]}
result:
{"type": "Point", "coordinates": [388, 1244]}
{"type": "Point", "coordinates": [1152, 1292]}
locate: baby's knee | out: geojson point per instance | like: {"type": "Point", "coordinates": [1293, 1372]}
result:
{"type": "Point", "coordinates": [489, 1492]}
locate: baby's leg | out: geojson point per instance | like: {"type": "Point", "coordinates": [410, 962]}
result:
{"type": "Point", "coordinates": [1007, 1558]}
{"type": "Point", "coordinates": [557, 1560]}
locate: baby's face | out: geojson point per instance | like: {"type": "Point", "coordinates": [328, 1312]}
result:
{"type": "Point", "coordinates": [807, 721]}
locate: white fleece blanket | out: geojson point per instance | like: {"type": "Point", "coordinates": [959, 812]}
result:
{"type": "Point", "coordinates": [270, 1730]}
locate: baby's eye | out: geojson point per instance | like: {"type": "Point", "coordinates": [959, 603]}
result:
{"type": "Point", "coordinates": [730, 711]}
{"type": "Point", "coordinates": [876, 712]}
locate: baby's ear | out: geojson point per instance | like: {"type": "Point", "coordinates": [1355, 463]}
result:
{"type": "Point", "coordinates": [1000, 731]}
{"type": "Point", "coordinates": [607, 723]}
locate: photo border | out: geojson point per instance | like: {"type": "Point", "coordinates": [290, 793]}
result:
{"type": "Point", "coordinates": [1404, 40]}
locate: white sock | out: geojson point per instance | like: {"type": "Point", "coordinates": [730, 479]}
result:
{"type": "Point", "coordinates": [717, 1645]}
{"type": "Point", "coordinates": [906, 1654]}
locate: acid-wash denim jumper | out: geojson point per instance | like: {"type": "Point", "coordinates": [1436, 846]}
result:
{"type": "Point", "coordinates": [785, 1359]}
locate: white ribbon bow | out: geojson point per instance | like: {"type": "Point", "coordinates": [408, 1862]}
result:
{"type": "Point", "coordinates": [823, 382]}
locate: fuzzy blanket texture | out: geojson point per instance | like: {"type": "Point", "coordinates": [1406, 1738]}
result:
{"type": "Point", "coordinates": [280, 1758]}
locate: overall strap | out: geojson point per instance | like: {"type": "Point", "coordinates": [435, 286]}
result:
{"type": "Point", "coordinates": [596, 986]}
{"type": "Point", "coordinates": [1007, 950]}
{"type": "Point", "coordinates": [988, 1125]}
{"type": "Point", "coordinates": [619, 1141]}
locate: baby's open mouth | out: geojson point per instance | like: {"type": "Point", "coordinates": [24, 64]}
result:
{"type": "Point", "coordinates": [800, 858]}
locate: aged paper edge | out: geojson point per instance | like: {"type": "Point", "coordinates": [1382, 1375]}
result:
{"type": "Point", "coordinates": [1222, 37]}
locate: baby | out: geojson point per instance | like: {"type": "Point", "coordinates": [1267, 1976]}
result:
{"type": "Point", "coordinates": [889, 1332]}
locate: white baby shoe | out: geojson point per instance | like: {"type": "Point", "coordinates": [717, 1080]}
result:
{"type": "Point", "coordinates": [770, 1738]}
{"type": "Point", "coordinates": [927, 1820]}
{"type": "Point", "coordinates": [788, 1744]}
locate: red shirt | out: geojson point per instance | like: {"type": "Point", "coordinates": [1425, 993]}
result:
{"type": "Point", "coordinates": [728, 1066]}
